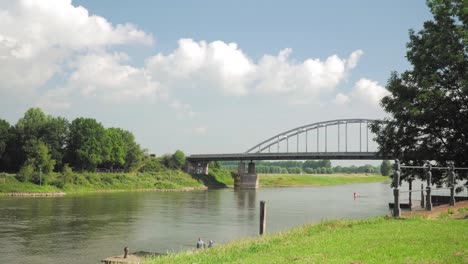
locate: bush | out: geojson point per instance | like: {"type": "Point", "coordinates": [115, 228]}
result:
{"type": "Point", "coordinates": [57, 183]}
{"type": "Point", "coordinates": [66, 176]}
{"type": "Point", "coordinates": [40, 178]}
{"type": "Point", "coordinates": [79, 179]}
{"type": "Point", "coordinates": [26, 172]}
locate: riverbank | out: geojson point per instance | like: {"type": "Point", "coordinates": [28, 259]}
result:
{"type": "Point", "coordinates": [169, 180]}
{"type": "Point", "coordinates": [299, 180]}
{"type": "Point", "coordinates": [374, 240]}
{"type": "Point", "coordinates": [174, 180]}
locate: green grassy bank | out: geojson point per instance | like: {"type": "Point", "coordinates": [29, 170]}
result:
{"type": "Point", "coordinates": [167, 179]}
{"type": "Point", "coordinates": [274, 180]}
{"type": "Point", "coordinates": [89, 182]}
{"type": "Point", "coordinates": [375, 240]}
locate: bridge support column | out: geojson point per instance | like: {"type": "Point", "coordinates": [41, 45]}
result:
{"type": "Point", "coordinates": [247, 180]}
{"type": "Point", "coordinates": [196, 167]}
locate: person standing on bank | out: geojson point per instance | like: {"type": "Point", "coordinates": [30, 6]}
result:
{"type": "Point", "coordinates": [200, 243]}
{"type": "Point", "coordinates": [211, 244]}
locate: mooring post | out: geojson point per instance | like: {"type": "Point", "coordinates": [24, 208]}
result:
{"type": "Point", "coordinates": [428, 187]}
{"type": "Point", "coordinates": [396, 191]}
{"type": "Point", "coordinates": [422, 195]}
{"type": "Point", "coordinates": [452, 184]}
{"type": "Point", "coordinates": [410, 188]}
{"type": "Point", "coordinates": [262, 217]}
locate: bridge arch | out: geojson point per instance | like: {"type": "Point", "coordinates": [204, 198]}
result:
{"type": "Point", "coordinates": [266, 145]}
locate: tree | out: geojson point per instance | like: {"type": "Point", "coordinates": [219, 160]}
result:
{"type": "Point", "coordinates": [37, 154]}
{"type": "Point", "coordinates": [114, 148]}
{"type": "Point", "coordinates": [179, 158]}
{"type": "Point", "coordinates": [85, 149]}
{"type": "Point", "coordinates": [385, 168]}
{"type": "Point", "coordinates": [134, 153]}
{"type": "Point", "coordinates": [429, 103]}
{"type": "Point", "coordinates": [55, 134]}
{"type": "Point", "coordinates": [4, 139]}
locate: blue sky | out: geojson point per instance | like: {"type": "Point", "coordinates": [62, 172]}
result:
{"type": "Point", "coordinates": [202, 76]}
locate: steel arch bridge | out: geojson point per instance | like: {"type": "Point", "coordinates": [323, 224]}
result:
{"type": "Point", "coordinates": [339, 133]}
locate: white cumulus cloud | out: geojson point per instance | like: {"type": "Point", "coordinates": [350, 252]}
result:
{"type": "Point", "coordinates": [37, 37]}
{"type": "Point", "coordinates": [214, 65]}
{"type": "Point", "coordinates": [368, 91]}
{"type": "Point", "coordinates": [224, 66]}
{"type": "Point", "coordinates": [107, 77]}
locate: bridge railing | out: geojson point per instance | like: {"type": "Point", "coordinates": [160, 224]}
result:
{"type": "Point", "coordinates": [322, 134]}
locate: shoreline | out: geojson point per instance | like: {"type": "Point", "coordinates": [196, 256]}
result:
{"type": "Point", "coordinates": [61, 194]}
{"type": "Point", "coordinates": [183, 189]}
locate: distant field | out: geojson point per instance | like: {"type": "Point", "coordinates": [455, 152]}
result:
{"type": "Point", "coordinates": [275, 180]}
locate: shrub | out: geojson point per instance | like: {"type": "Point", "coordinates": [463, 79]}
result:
{"type": "Point", "coordinates": [57, 183]}
{"type": "Point", "coordinates": [26, 172]}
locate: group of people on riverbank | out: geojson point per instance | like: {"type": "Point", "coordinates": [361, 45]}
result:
{"type": "Point", "coordinates": [201, 243]}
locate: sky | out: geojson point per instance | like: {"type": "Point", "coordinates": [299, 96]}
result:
{"type": "Point", "coordinates": [202, 76]}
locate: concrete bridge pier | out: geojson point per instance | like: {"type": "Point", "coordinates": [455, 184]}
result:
{"type": "Point", "coordinates": [196, 167]}
{"type": "Point", "coordinates": [247, 180]}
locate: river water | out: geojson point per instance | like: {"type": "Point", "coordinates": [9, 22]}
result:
{"type": "Point", "coordinates": [88, 228]}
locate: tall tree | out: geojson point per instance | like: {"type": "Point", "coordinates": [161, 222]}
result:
{"type": "Point", "coordinates": [4, 136]}
{"type": "Point", "coordinates": [55, 134]}
{"type": "Point", "coordinates": [133, 152]}
{"type": "Point", "coordinates": [85, 148]}
{"type": "Point", "coordinates": [114, 148]}
{"type": "Point", "coordinates": [4, 139]}
{"type": "Point", "coordinates": [429, 103]}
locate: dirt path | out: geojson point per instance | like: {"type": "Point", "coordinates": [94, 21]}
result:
{"type": "Point", "coordinates": [437, 210]}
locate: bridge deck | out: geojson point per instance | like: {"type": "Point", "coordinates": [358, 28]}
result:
{"type": "Point", "coordinates": [288, 156]}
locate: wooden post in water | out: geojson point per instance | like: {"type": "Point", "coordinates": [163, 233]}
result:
{"type": "Point", "coordinates": [262, 217]}
{"type": "Point", "coordinates": [422, 195]}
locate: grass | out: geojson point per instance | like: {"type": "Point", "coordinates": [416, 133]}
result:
{"type": "Point", "coordinates": [375, 240]}
{"type": "Point", "coordinates": [274, 180]}
{"type": "Point", "coordinates": [91, 182]}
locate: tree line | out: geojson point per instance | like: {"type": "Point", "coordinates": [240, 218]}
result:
{"type": "Point", "coordinates": [46, 143]}
{"type": "Point", "coordinates": [309, 167]}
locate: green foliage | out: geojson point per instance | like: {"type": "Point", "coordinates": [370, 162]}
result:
{"type": "Point", "coordinates": [429, 103]}
{"type": "Point", "coordinates": [26, 172]}
{"type": "Point", "coordinates": [4, 136]}
{"type": "Point", "coordinates": [114, 148]}
{"type": "Point", "coordinates": [178, 159]}
{"type": "Point", "coordinates": [295, 170]}
{"type": "Point", "coordinates": [309, 167]}
{"type": "Point", "coordinates": [67, 175]}
{"type": "Point", "coordinates": [55, 133]}
{"type": "Point", "coordinates": [86, 147]}
{"type": "Point", "coordinates": [37, 153]}
{"type": "Point", "coordinates": [151, 164]}
{"type": "Point", "coordinates": [385, 168]}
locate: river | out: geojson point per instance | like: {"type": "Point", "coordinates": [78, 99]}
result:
{"type": "Point", "coordinates": [88, 228]}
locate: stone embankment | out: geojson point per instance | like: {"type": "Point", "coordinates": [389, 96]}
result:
{"type": "Point", "coordinates": [23, 194]}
